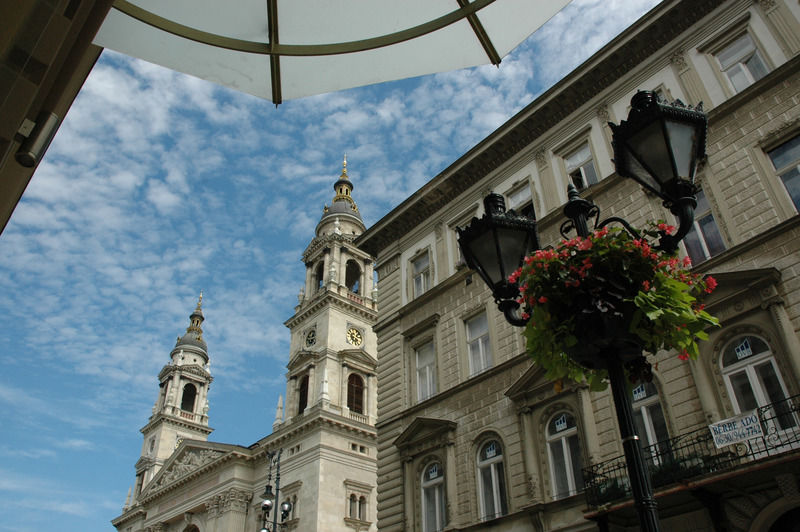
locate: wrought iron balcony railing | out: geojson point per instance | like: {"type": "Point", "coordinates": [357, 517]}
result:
{"type": "Point", "coordinates": [694, 454]}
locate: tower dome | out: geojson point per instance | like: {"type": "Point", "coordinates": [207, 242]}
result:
{"type": "Point", "coordinates": [342, 216]}
{"type": "Point", "coordinates": [192, 341]}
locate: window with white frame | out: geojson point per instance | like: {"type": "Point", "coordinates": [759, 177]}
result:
{"type": "Point", "coordinates": [425, 359]}
{"type": "Point", "coordinates": [741, 62]}
{"type": "Point", "coordinates": [478, 348]}
{"type": "Point", "coordinates": [421, 273]}
{"type": "Point", "coordinates": [564, 452]}
{"type": "Point", "coordinates": [434, 517]}
{"type": "Point", "coordinates": [786, 160]}
{"type": "Point", "coordinates": [703, 240]}
{"type": "Point", "coordinates": [753, 380]}
{"type": "Point", "coordinates": [651, 425]}
{"type": "Point", "coordinates": [491, 481]}
{"type": "Point", "coordinates": [580, 167]}
{"type": "Point", "coordinates": [521, 200]}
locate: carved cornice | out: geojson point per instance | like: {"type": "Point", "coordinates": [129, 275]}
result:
{"type": "Point", "coordinates": [136, 512]}
{"type": "Point", "coordinates": [313, 419]}
{"type": "Point", "coordinates": [160, 417]}
{"type": "Point", "coordinates": [611, 63]}
{"type": "Point", "coordinates": [188, 369]}
{"type": "Point", "coordinates": [328, 297]}
{"type": "Point", "coordinates": [323, 241]}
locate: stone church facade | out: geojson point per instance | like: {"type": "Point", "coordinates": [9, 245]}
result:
{"type": "Point", "coordinates": [471, 436]}
{"type": "Point", "coordinates": [325, 429]}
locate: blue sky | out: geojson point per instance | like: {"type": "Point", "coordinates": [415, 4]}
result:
{"type": "Point", "coordinates": [158, 186]}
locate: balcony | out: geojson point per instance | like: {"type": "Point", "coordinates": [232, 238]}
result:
{"type": "Point", "coordinates": [692, 459]}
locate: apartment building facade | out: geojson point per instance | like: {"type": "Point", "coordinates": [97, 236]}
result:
{"type": "Point", "coordinates": [471, 435]}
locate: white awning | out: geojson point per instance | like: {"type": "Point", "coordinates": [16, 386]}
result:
{"type": "Point", "coordinates": [283, 49]}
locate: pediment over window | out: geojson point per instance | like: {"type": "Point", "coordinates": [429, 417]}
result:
{"type": "Point", "coordinates": [300, 359]}
{"type": "Point", "coordinates": [189, 458]}
{"type": "Point", "coordinates": [742, 291]}
{"type": "Point", "coordinates": [358, 358]}
{"type": "Point", "coordinates": [532, 386]}
{"type": "Point", "coordinates": [425, 433]}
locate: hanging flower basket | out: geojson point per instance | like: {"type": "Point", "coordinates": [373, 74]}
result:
{"type": "Point", "coordinates": [609, 295]}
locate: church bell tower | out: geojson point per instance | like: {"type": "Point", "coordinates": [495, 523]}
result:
{"type": "Point", "coordinates": [181, 409]}
{"type": "Point", "coordinates": [326, 426]}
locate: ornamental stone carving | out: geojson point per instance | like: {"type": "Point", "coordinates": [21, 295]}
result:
{"type": "Point", "coordinates": [678, 59]}
{"type": "Point", "coordinates": [235, 499]}
{"type": "Point", "coordinates": [186, 464]}
{"type": "Point", "coordinates": [541, 161]}
{"type": "Point", "coordinates": [766, 5]}
{"type": "Point", "coordinates": [212, 507]}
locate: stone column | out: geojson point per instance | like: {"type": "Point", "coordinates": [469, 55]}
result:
{"type": "Point", "coordinates": [408, 493]}
{"type": "Point", "coordinates": [705, 391]}
{"type": "Point", "coordinates": [590, 426]}
{"type": "Point", "coordinates": [326, 264]}
{"type": "Point", "coordinates": [451, 488]}
{"type": "Point", "coordinates": [372, 398]}
{"type": "Point", "coordinates": [310, 288]}
{"type": "Point", "coordinates": [338, 263]}
{"type": "Point", "coordinates": [689, 79]}
{"type": "Point", "coordinates": [234, 510]}
{"type": "Point", "coordinates": [312, 396]}
{"type": "Point", "coordinates": [529, 446]}
{"type": "Point", "coordinates": [784, 25]}
{"type": "Point", "coordinates": [787, 332]}
{"type": "Point", "coordinates": [212, 513]}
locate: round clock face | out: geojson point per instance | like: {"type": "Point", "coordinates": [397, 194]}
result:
{"type": "Point", "coordinates": [354, 336]}
{"type": "Point", "coordinates": [311, 337]}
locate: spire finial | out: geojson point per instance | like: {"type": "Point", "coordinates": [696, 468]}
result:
{"type": "Point", "coordinates": [344, 167]}
{"type": "Point", "coordinates": [200, 301]}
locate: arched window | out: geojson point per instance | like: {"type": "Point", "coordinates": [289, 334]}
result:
{"type": "Point", "coordinates": [752, 378]}
{"type": "Point", "coordinates": [564, 451]}
{"type": "Point", "coordinates": [362, 508]}
{"type": "Point", "coordinates": [353, 505]}
{"type": "Point", "coordinates": [491, 481]}
{"type": "Point", "coordinates": [302, 394]}
{"type": "Point", "coordinates": [651, 426]}
{"type": "Point", "coordinates": [433, 502]}
{"type": "Point", "coordinates": [187, 400]}
{"type": "Point", "coordinates": [352, 276]}
{"type": "Point", "coordinates": [318, 275]}
{"type": "Point", "coordinates": [355, 393]}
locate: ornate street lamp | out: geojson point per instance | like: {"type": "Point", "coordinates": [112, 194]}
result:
{"type": "Point", "coordinates": [660, 146]}
{"type": "Point", "coordinates": [494, 246]}
{"type": "Point", "coordinates": [268, 498]}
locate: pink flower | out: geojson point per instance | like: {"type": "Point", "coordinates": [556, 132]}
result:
{"type": "Point", "coordinates": [585, 245]}
{"type": "Point", "coordinates": [668, 229]}
{"type": "Point", "coordinates": [646, 285]}
{"type": "Point", "coordinates": [543, 299]}
{"type": "Point", "coordinates": [711, 284]}
{"type": "Point", "coordinates": [687, 261]}
{"type": "Point", "coordinates": [684, 355]}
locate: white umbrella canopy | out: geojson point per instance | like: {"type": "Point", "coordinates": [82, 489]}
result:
{"type": "Point", "coordinates": [284, 49]}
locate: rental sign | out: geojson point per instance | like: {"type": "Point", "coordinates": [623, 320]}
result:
{"type": "Point", "coordinates": [736, 429]}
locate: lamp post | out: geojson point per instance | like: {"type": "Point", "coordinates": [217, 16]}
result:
{"type": "Point", "coordinates": [268, 499]}
{"type": "Point", "coordinates": [659, 146]}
